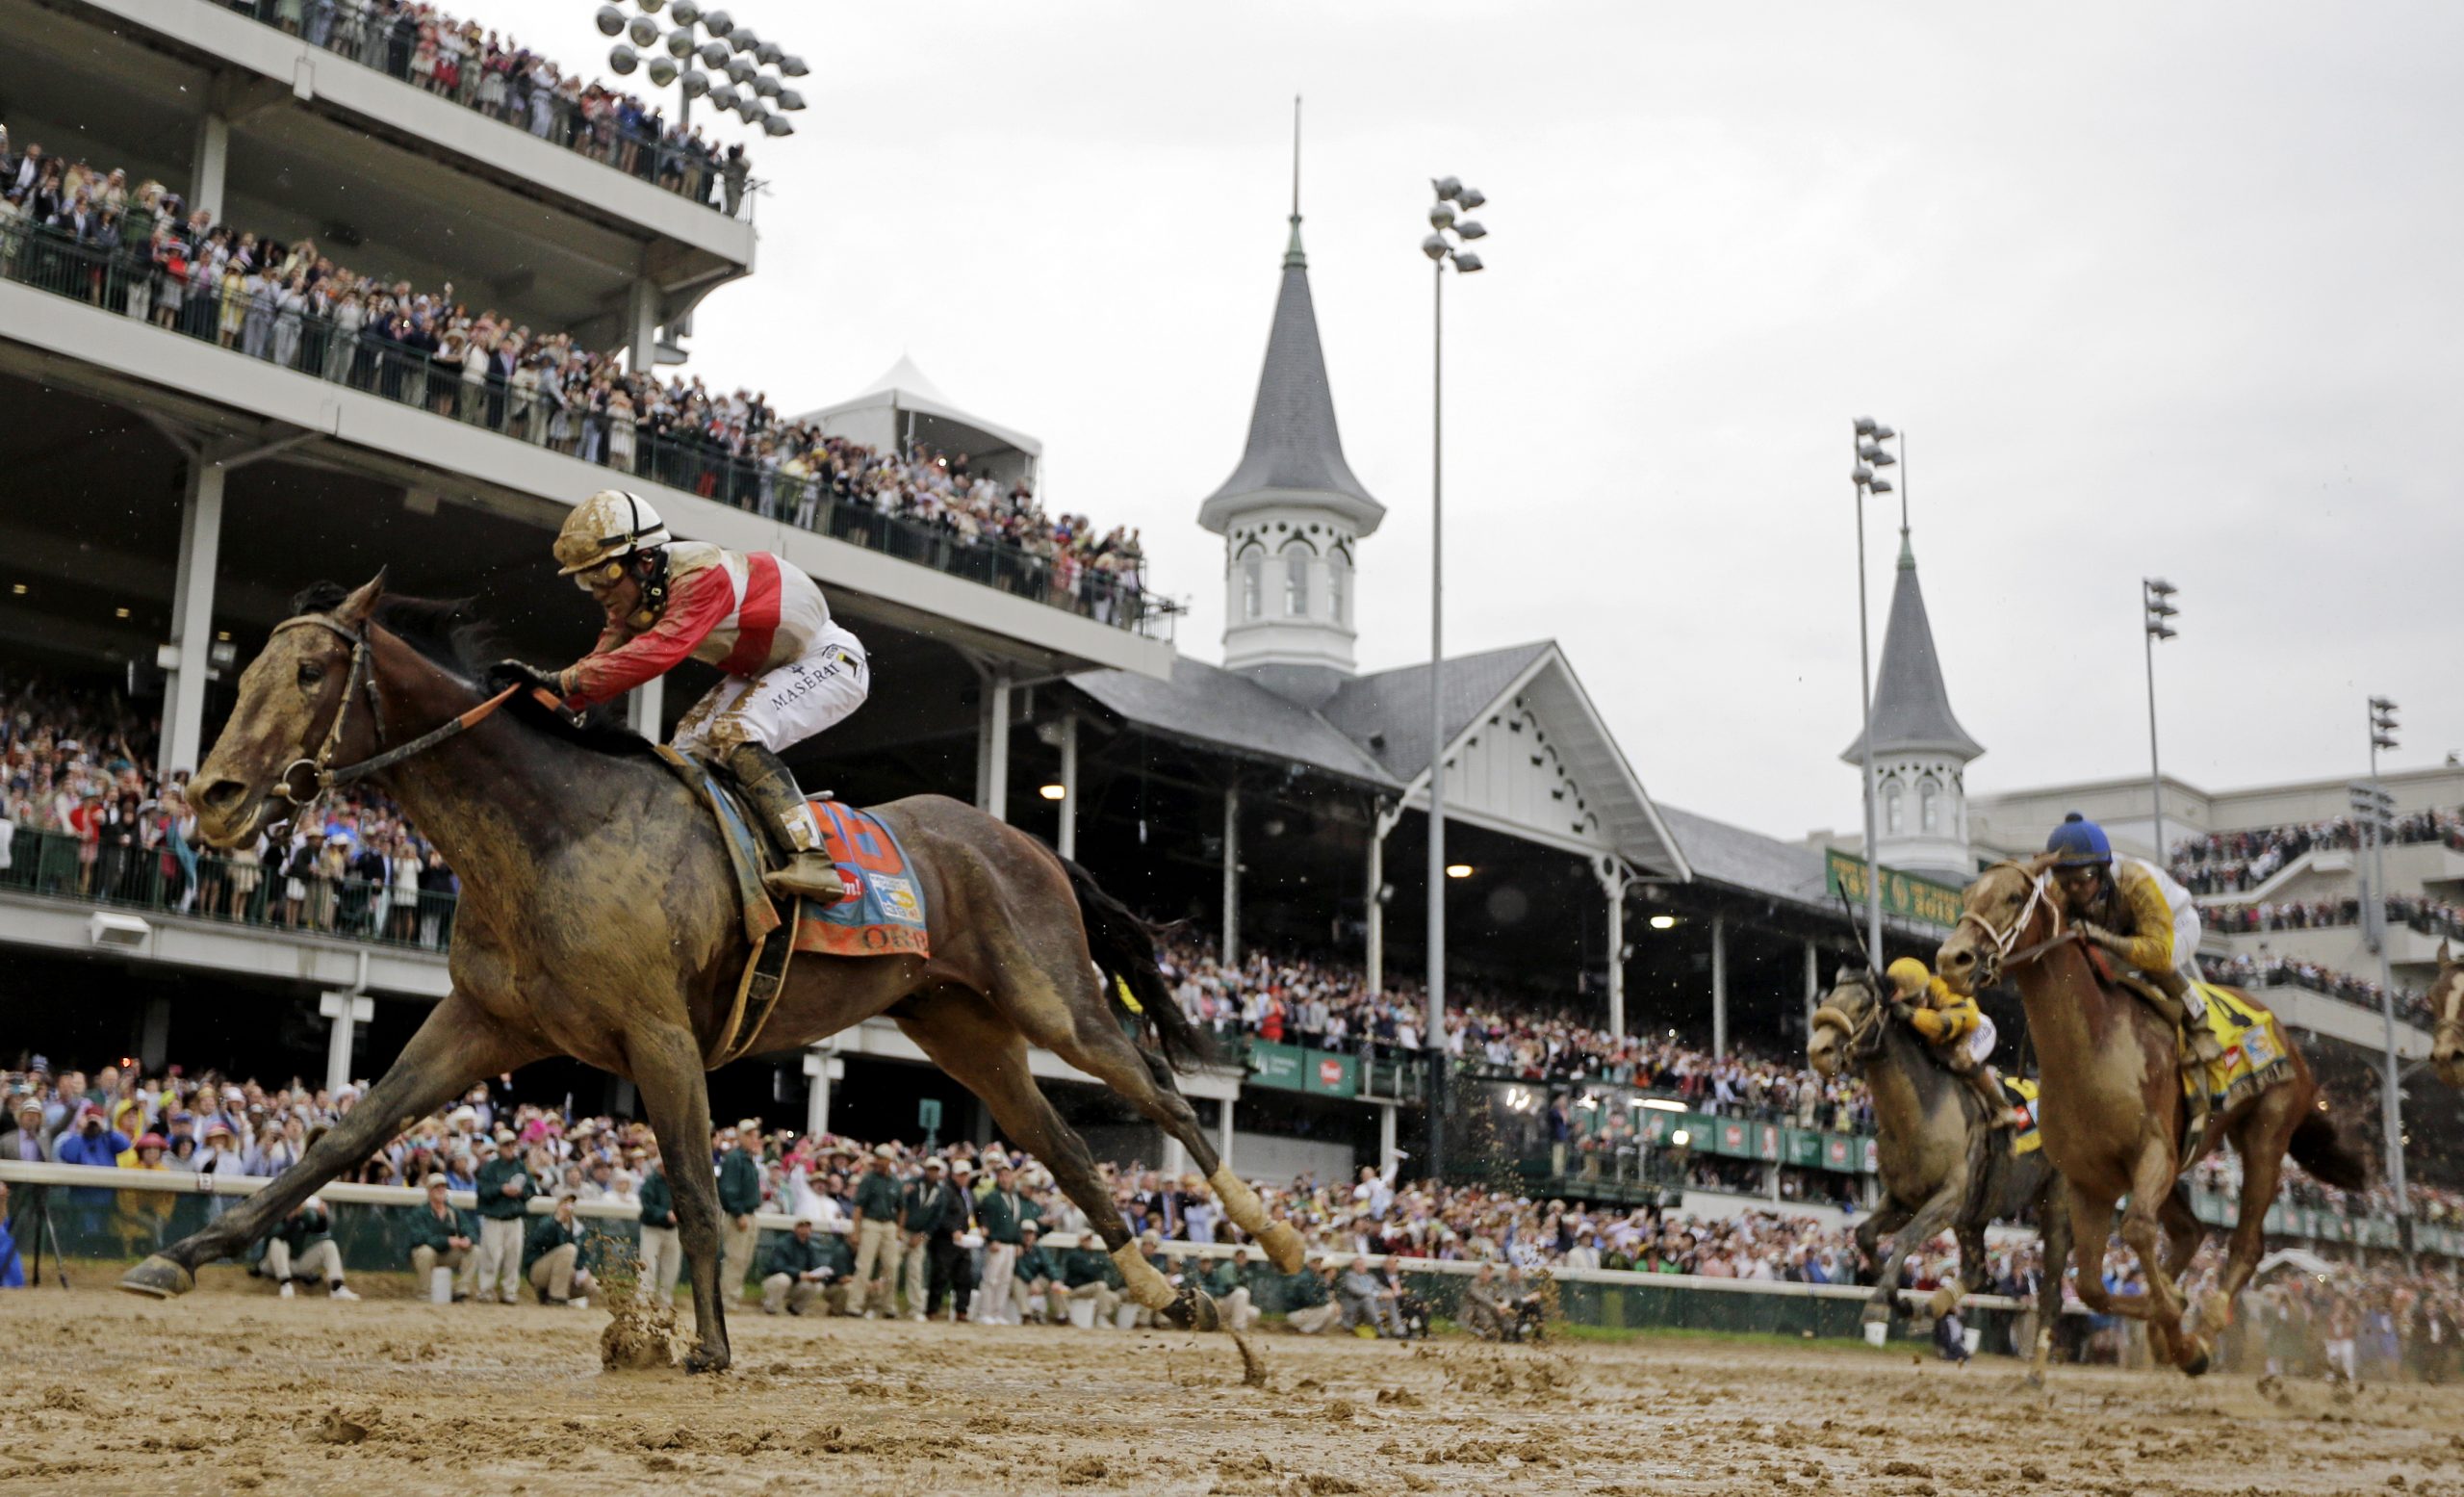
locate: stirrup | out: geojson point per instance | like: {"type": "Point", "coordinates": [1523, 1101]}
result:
{"type": "Point", "coordinates": [810, 874]}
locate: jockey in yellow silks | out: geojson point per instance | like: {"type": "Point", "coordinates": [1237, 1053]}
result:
{"type": "Point", "coordinates": [789, 671]}
{"type": "Point", "coordinates": [1959, 1032]}
{"type": "Point", "coordinates": [2138, 912]}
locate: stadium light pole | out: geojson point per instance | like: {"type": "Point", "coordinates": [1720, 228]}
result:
{"type": "Point", "coordinates": [1871, 455]}
{"type": "Point", "coordinates": [1444, 246]}
{"type": "Point", "coordinates": [2378, 821]}
{"type": "Point", "coordinates": [2156, 602]}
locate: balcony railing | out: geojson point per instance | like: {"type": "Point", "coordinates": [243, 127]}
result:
{"type": "Point", "coordinates": [230, 890]}
{"type": "Point", "coordinates": [124, 279]}
{"type": "Point", "coordinates": [387, 39]}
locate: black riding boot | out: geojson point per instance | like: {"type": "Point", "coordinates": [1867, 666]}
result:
{"type": "Point", "coordinates": [779, 807]}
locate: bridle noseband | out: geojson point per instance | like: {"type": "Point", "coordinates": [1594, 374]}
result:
{"type": "Point", "coordinates": [324, 776]}
{"type": "Point", "coordinates": [2040, 892]}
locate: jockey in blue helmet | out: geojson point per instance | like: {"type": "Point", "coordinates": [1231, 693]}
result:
{"type": "Point", "coordinates": [2135, 911]}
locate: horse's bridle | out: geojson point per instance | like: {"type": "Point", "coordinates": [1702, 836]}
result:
{"type": "Point", "coordinates": [324, 776]}
{"type": "Point", "coordinates": [2040, 892]}
{"type": "Point", "coordinates": [1862, 1037]}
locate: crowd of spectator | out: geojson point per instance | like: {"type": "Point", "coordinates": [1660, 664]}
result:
{"type": "Point", "coordinates": [957, 1231]}
{"type": "Point", "coordinates": [2430, 917]}
{"type": "Point", "coordinates": [2231, 863]}
{"type": "Point", "coordinates": [138, 249]}
{"type": "Point", "coordinates": [504, 80]}
{"type": "Point", "coordinates": [85, 811]}
{"type": "Point", "coordinates": [1327, 1004]}
{"type": "Point", "coordinates": [2261, 972]}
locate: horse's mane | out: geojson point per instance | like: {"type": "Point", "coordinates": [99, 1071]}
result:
{"type": "Point", "coordinates": [448, 634]}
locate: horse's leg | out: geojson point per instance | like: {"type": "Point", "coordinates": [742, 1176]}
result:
{"type": "Point", "coordinates": [2092, 1223]}
{"type": "Point", "coordinates": [667, 1068]}
{"type": "Point", "coordinates": [2261, 1140]}
{"type": "Point", "coordinates": [978, 1046]}
{"type": "Point", "coordinates": [2151, 1187]}
{"type": "Point", "coordinates": [1923, 1226]}
{"type": "Point", "coordinates": [457, 1045]}
{"type": "Point", "coordinates": [2053, 1227]}
{"type": "Point", "coordinates": [1058, 1000]}
{"type": "Point", "coordinates": [1869, 1236]}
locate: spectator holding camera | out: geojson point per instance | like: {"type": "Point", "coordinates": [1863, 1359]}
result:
{"type": "Point", "coordinates": [444, 1236]}
{"type": "Point", "coordinates": [300, 1250]}
{"type": "Point", "coordinates": [804, 1268]}
{"type": "Point", "coordinates": [551, 1257]}
{"type": "Point", "coordinates": [504, 1187]}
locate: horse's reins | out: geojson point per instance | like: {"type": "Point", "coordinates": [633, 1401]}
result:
{"type": "Point", "coordinates": [324, 777]}
{"type": "Point", "coordinates": [2003, 940]}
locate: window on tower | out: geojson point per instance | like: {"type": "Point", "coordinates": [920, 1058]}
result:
{"type": "Point", "coordinates": [1253, 585]}
{"type": "Point", "coordinates": [1929, 804]}
{"type": "Point", "coordinates": [1295, 582]}
{"type": "Point", "coordinates": [1892, 811]}
{"type": "Point", "coordinates": [1339, 587]}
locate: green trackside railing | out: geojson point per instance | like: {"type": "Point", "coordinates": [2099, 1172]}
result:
{"type": "Point", "coordinates": [120, 278]}
{"type": "Point", "coordinates": [225, 891]}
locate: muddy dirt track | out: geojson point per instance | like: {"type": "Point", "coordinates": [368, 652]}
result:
{"type": "Point", "coordinates": [235, 1390]}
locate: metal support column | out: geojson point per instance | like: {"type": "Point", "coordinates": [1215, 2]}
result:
{"type": "Point", "coordinates": [823, 1064]}
{"type": "Point", "coordinates": [1223, 1130]}
{"type": "Point", "coordinates": [1231, 875]}
{"type": "Point", "coordinates": [1067, 838]}
{"type": "Point", "coordinates": [641, 315]}
{"type": "Point", "coordinates": [992, 745]}
{"type": "Point", "coordinates": [1386, 1150]}
{"type": "Point", "coordinates": [646, 709]}
{"type": "Point", "coordinates": [1614, 883]}
{"type": "Point", "coordinates": [1813, 984]}
{"type": "Point", "coordinates": [347, 1011]}
{"type": "Point", "coordinates": [210, 165]}
{"type": "Point", "coordinates": [190, 656]}
{"type": "Point", "coordinates": [1374, 960]}
{"type": "Point", "coordinates": [1719, 985]}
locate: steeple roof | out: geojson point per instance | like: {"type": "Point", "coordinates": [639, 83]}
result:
{"type": "Point", "coordinates": [1294, 453]}
{"type": "Point", "coordinates": [1912, 707]}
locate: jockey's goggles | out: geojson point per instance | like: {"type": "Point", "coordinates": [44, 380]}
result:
{"type": "Point", "coordinates": [606, 575]}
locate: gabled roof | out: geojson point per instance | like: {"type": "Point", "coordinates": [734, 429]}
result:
{"type": "Point", "coordinates": [1225, 710]}
{"type": "Point", "coordinates": [1748, 860]}
{"type": "Point", "coordinates": [1387, 713]}
{"type": "Point", "coordinates": [1295, 452]}
{"type": "Point", "coordinates": [1912, 707]}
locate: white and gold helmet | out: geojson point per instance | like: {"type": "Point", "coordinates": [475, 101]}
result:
{"type": "Point", "coordinates": [605, 529]}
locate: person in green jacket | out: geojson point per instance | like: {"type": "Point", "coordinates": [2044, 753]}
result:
{"type": "Point", "coordinates": [662, 1250]}
{"type": "Point", "coordinates": [923, 1208]}
{"type": "Point", "coordinates": [999, 1210]}
{"type": "Point", "coordinates": [302, 1246]}
{"type": "Point", "coordinates": [1034, 1278]}
{"type": "Point", "coordinates": [798, 1270]}
{"type": "Point", "coordinates": [878, 1243]}
{"type": "Point", "coordinates": [1227, 1283]}
{"type": "Point", "coordinates": [739, 1198]}
{"type": "Point", "coordinates": [1087, 1273]}
{"type": "Point", "coordinates": [443, 1236]}
{"type": "Point", "coordinates": [504, 1189]}
{"type": "Point", "coordinates": [551, 1257]}
{"type": "Point", "coordinates": [1309, 1300]}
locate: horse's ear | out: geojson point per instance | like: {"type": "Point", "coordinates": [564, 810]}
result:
{"type": "Point", "coordinates": [2038, 866]}
{"type": "Point", "coordinates": [355, 607]}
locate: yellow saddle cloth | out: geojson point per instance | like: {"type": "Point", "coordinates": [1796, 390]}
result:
{"type": "Point", "coordinates": [2256, 1056]}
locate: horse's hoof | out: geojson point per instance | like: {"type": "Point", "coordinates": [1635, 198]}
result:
{"type": "Point", "coordinates": [2195, 1363]}
{"type": "Point", "coordinates": [158, 1278]}
{"type": "Point", "coordinates": [703, 1359]}
{"type": "Point", "coordinates": [2035, 1381]}
{"type": "Point", "coordinates": [1194, 1310]}
{"type": "Point", "coordinates": [1283, 1247]}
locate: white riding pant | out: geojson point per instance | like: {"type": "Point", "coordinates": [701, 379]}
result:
{"type": "Point", "coordinates": [781, 707]}
{"type": "Point", "coordinates": [1980, 1042]}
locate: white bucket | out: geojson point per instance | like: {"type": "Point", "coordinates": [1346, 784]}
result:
{"type": "Point", "coordinates": [1082, 1313]}
{"type": "Point", "coordinates": [439, 1286]}
{"type": "Point", "coordinates": [1974, 1336]}
{"type": "Point", "coordinates": [1877, 1332]}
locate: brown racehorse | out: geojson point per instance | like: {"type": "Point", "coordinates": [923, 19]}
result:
{"type": "Point", "coordinates": [1944, 1165]}
{"type": "Point", "coordinates": [599, 920]}
{"type": "Point", "coordinates": [2445, 999]}
{"type": "Point", "coordinates": [2112, 1111]}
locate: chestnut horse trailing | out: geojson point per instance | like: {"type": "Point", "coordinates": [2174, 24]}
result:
{"type": "Point", "coordinates": [2114, 1114]}
{"type": "Point", "coordinates": [600, 918]}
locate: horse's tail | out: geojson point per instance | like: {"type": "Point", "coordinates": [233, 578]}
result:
{"type": "Point", "coordinates": [2332, 1155]}
{"type": "Point", "coordinates": [1123, 947]}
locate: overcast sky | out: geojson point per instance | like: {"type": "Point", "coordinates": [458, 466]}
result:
{"type": "Point", "coordinates": [2152, 290]}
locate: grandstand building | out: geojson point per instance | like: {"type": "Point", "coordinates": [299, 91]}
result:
{"type": "Point", "coordinates": [176, 472]}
